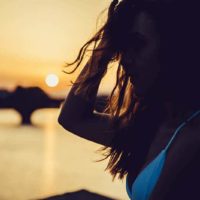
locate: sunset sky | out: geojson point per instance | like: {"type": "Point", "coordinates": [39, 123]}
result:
{"type": "Point", "coordinates": [38, 36]}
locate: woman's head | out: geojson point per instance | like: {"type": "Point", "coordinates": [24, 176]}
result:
{"type": "Point", "coordinates": [158, 45]}
{"type": "Point", "coordinates": [154, 44]}
{"type": "Point", "coordinates": [141, 62]}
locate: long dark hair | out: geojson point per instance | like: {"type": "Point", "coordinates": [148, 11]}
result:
{"type": "Point", "coordinates": [134, 119]}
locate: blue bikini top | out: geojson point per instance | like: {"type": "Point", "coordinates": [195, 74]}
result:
{"type": "Point", "coordinates": [145, 182]}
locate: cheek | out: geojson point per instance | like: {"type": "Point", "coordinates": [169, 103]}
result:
{"type": "Point", "coordinates": [148, 64]}
{"type": "Point", "coordinates": [148, 73]}
{"type": "Point", "coordinates": [129, 63]}
{"type": "Point", "coordinates": [143, 66]}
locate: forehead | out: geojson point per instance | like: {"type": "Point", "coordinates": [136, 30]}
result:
{"type": "Point", "coordinates": [145, 25]}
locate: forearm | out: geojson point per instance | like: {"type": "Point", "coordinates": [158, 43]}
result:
{"type": "Point", "coordinates": [79, 106]}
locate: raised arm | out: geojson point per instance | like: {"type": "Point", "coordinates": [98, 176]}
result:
{"type": "Point", "coordinates": [78, 115]}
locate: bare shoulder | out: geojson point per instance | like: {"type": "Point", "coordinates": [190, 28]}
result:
{"type": "Point", "coordinates": [186, 143]}
{"type": "Point", "coordinates": [183, 151]}
{"type": "Point", "coordinates": [192, 131]}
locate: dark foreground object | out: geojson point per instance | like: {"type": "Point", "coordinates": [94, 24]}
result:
{"type": "Point", "coordinates": [79, 195]}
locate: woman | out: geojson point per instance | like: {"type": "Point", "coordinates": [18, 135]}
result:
{"type": "Point", "coordinates": [155, 44]}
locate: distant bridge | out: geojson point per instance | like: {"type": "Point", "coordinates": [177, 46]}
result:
{"type": "Point", "coordinates": [27, 100]}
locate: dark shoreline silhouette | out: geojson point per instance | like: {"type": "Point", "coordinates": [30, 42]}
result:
{"type": "Point", "coordinates": [27, 100]}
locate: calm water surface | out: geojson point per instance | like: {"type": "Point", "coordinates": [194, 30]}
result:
{"type": "Point", "coordinates": [44, 159]}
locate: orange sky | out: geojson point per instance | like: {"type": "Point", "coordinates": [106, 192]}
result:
{"type": "Point", "coordinates": [38, 36]}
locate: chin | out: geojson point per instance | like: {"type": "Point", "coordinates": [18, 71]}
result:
{"type": "Point", "coordinates": [140, 94]}
{"type": "Point", "coordinates": [144, 92]}
{"type": "Point", "coordinates": [138, 91]}
{"type": "Point", "coordinates": [131, 80]}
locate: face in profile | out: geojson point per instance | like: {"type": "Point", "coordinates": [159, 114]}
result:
{"type": "Point", "coordinates": [140, 56]}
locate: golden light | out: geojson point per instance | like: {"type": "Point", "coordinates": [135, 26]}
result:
{"type": "Point", "coordinates": [52, 80]}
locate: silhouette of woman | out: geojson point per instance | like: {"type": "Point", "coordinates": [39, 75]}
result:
{"type": "Point", "coordinates": [155, 98]}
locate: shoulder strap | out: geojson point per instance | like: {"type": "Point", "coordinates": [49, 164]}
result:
{"type": "Point", "coordinates": [180, 126]}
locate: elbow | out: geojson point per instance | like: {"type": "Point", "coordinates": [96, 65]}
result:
{"type": "Point", "coordinates": [62, 122]}
{"type": "Point", "coordinates": [63, 119]}
{"type": "Point", "coordinates": [66, 124]}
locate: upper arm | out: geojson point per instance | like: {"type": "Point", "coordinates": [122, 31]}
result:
{"type": "Point", "coordinates": [96, 128]}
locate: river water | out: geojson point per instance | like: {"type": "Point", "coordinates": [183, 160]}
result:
{"type": "Point", "coordinates": [44, 160]}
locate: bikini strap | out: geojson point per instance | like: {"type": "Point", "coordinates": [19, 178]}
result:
{"type": "Point", "coordinates": [180, 126]}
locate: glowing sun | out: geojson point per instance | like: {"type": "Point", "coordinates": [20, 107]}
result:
{"type": "Point", "coordinates": [52, 80]}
